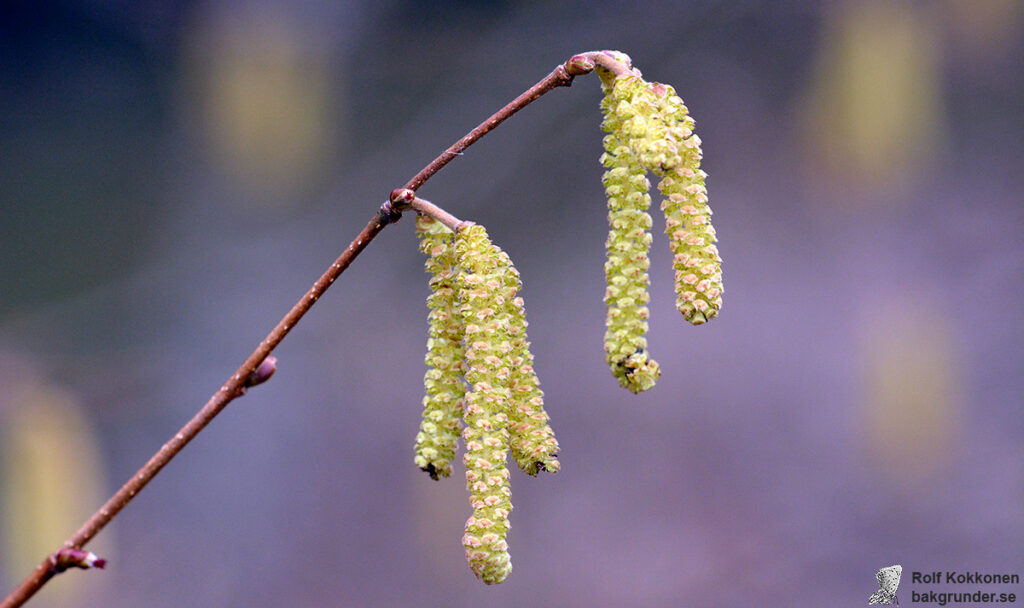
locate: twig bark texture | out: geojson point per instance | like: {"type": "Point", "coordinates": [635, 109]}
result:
{"type": "Point", "coordinates": [390, 212]}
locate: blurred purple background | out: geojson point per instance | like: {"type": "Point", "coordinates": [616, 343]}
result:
{"type": "Point", "coordinates": [175, 175]}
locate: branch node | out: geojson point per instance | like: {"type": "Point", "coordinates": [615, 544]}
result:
{"type": "Point", "coordinates": [388, 214]}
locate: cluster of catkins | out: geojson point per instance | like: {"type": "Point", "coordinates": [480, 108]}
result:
{"type": "Point", "coordinates": [649, 129]}
{"type": "Point", "coordinates": [480, 379]}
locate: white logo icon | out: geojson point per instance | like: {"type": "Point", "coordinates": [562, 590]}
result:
{"type": "Point", "coordinates": [888, 581]}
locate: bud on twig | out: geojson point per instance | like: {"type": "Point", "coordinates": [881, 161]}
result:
{"type": "Point", "coordinates": [69, 557]}
{"type": "Point", "coordinates": [579, 65]}
{"type": "Point", "coordinates": [400, 197]}
{"type": "Point", "coordinates": [263, 371]}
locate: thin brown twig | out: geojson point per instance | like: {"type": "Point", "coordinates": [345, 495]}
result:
{"type": "Point", "coordinates": [439, 214]}
{"type": "Point", "coordinates": [559, 77]}
{"type": "Point", "coordinates": [389, 212]}
{"type": "Point", "coordinates": [234, 387]}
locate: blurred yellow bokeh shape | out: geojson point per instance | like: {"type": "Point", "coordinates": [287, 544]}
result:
{"type": "Point", "coordinates": [51, 480]}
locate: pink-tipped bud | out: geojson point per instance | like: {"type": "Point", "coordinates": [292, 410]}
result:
{"type": "Point", "coordinates": [263, 371]}
{"type": "Point", "coordinates": [75, 558]}
{"type": "Point", "coordinates": [401, 197]}
{"type": "Point", "coordinates": [578, 65]}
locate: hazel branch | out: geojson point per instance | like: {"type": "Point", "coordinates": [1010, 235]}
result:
{"type": "Point", "coordinates": [245, 376]}
{"type": "Point", "coordinates": [258, 367]}
{"type": "Point", "coordinates": [561, 76]}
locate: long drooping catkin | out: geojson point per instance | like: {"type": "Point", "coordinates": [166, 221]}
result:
{"type": "Point", "coordinates": [698, 267]}
{"type": "Point", "coordinates": [532, 441]}
{"type": "Point", "coordinates": [649, 129]}
{"type": "Point", "coordinates": [442, 405]}
{"type": "Point", "coordinates": [629, 240]}
{"type": "Point", "coordinates": [486, 435]}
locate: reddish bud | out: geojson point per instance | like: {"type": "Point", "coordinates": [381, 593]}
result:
{"type": "Point", "coordinates": [579, 65]}
{"type": "Point", "coordinates": [263, 371]}
{"type": "Point", "coordinates": [75, 558]}
{"type": "Point", "coordinates": [401, 197]}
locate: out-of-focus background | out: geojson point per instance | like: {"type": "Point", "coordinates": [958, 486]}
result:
{"type": "Point", "coordinates": [173, 176]}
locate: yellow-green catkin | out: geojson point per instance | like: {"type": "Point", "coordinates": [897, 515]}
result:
{"type": "Point", "coordinates": [634, 113]}
{"type": "Point", "coordinates": [486, 434]}
{"type": "Point", "coordinates": [653, 123]}
{"type": "Point", "coordinates": [442, 405]}
{"type": "Point", "coordinates": [629, 240]}
{"type": "Point", "coordinates": [698, 266]}
{"type": "Point", "coordinates": [532, 441]}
